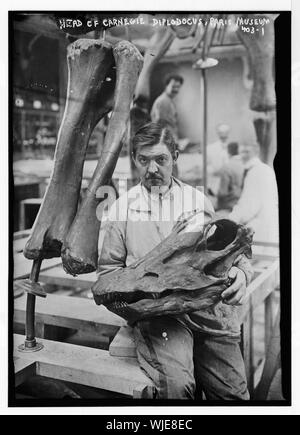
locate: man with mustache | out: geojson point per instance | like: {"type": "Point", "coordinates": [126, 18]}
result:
{"type": "Point", "coordinates": [179, 353]}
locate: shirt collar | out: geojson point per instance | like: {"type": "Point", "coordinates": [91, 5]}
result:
{"type": "Point", "coordinates": [143, 198]}
{"type": "Point", "coordinates": [222, 144]}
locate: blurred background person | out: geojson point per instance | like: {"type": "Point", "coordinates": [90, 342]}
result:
{"type": "Point", "coordinates": [258, 204]}
{"type": "Point", "coordinates": [231, 179]}
{"type": "Point", "coordinates": [164, 111]}
{"type": "Point", "coordinates": [217, 157]}
{"type": "Point", "coordinates": [164, 108]}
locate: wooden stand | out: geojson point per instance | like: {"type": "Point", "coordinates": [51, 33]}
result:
{"type": "Point", "coordinates": [116, 368]}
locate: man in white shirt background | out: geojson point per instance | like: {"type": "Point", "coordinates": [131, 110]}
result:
{"type": "Point", "coordinates": [258, 205]}
{"type": "Point", "coordinates": [164, 108]}
{"type": "Point", "coordinates": [231, 179]}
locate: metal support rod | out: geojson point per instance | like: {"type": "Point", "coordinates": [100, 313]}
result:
{"type": "Point", "coordinates": [204, 137]}
{"type": "Point", "coordinates": [30, 340]}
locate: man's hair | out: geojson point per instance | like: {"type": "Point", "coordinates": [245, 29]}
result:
{"type": "Point", "coordinates": [221, 125]}
{"type": "Point", "coordinates": [151, 134]}
{"type": "Point", "coordinates": [175, 77]}
{"type": "Point", "coordinates": [233, 148]}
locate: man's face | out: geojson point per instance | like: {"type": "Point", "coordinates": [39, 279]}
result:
{"type": "Point", "coordinates": [173, 88]}
{"type": "Point", "coordinates": [246, 153]}
{"type": "Point", "coordinates": [155, 165]}
{"type": "Point", "coordinates": [223, 133]}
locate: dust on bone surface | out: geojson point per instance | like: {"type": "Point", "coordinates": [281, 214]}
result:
{"type": "Point", "coordinates": [188, 271]}
{"type": "Point", "coordinates": [126, 48]}
{"type": "Point", "coordinates": [77, 47]}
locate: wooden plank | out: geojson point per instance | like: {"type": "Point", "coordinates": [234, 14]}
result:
{"type": "Point", "coordinates": [22, 266]}
{"type": "Point", "coordinates": [275, 391]}
{"type": "Point", "coordinates": [22, 225]}
{"type": "Point", "coordinates": [123, 344]}
{"type": "Point", "coordinates": [258, 372]}
{"type": "Point", "coordinates": [31, 201]}
{"type": "Point", "coordinates": [21, 234]}
{"type": "Point", "coordinates": [81, 338]}
{"type": "Point", "coordinates": [268, 319]}
{"type": "Point", "coordinates": [247, 347]}
{"type": "Point", "coordinates": [24, 369]}
{"type": "Point", "coordinates": [272, 364]}
{"type": "Point", "coordinates": [40, 330]}
{"type": "Point", "coordinates": [260, 288]}
{"type": "Point", "coordinates": [58, 276]}
{"type": "Point", "coordinates": [71, 312]}
{"type": "Point", "coordinates": [65, 292]}
{"type": "Point", "coordinates": [259, 270]}
{"type": "Point", "coordinates": [86, 366]}
{"type": "Point", "coordinates": [265, 250]}
{"type": "Point", "coordinates": [266, 244]}
{"type": "Point", "coordinates": [265, 284]}
{"type": "Point", "coordinates": [264, 257]}
{"type": "Point", "coordinates": [262, 261]}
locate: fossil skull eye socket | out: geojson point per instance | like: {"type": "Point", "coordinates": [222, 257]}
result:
{"type": "Point", "coordinates": [211, 231]}
{"type": "Point", "coordinates": [220, 235]}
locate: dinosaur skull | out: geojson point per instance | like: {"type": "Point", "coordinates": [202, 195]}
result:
{"type": "Point", "coordinates": [186, 272]}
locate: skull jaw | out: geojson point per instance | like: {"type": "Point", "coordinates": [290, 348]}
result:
{"type": "Point", "coordinates": [176, 303]}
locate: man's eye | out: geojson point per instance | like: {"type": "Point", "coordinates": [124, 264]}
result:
{"type": "Point", "coordinates": [161, 160]}
{"type": "Point", "coordinates": [142, 160]}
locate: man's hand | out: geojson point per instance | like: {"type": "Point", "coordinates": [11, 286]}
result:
{"type": "Point", "coordinates": [235, 294]}
{"type": "Point", "coordinates": [183, 220]}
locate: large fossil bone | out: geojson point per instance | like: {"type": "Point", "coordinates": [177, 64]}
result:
{"type": "Point", "coordinates": [80, 249]}
{"type": "Point", "coordinates": [186, 272]}
{"type": "Point", "coordinates": [260, 46]}
{"type": "Point", "coordinates": [89, 97]}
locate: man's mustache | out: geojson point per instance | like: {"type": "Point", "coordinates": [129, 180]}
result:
{"type": "Point", "coordinates": [153, 177]}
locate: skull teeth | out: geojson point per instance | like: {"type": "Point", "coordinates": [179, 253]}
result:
{"type": "Point", "coordinates": [155, 295]}
{"type": "Point", "coordinates": [120, 305]}
{"type": "Point", "coordinates": [118, 298]}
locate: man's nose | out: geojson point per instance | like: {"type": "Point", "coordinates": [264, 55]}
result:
{"type": "Point", "coordinates": [152, 168]}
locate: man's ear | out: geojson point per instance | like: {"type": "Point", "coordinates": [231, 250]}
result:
{"type": "Point", "coordinates": [175, 157]}
{"type": "Point", "coordinates": [133, 158]}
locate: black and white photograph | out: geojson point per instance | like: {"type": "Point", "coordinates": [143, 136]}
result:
{"type": "Point", "coordinates": [149, 258]}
